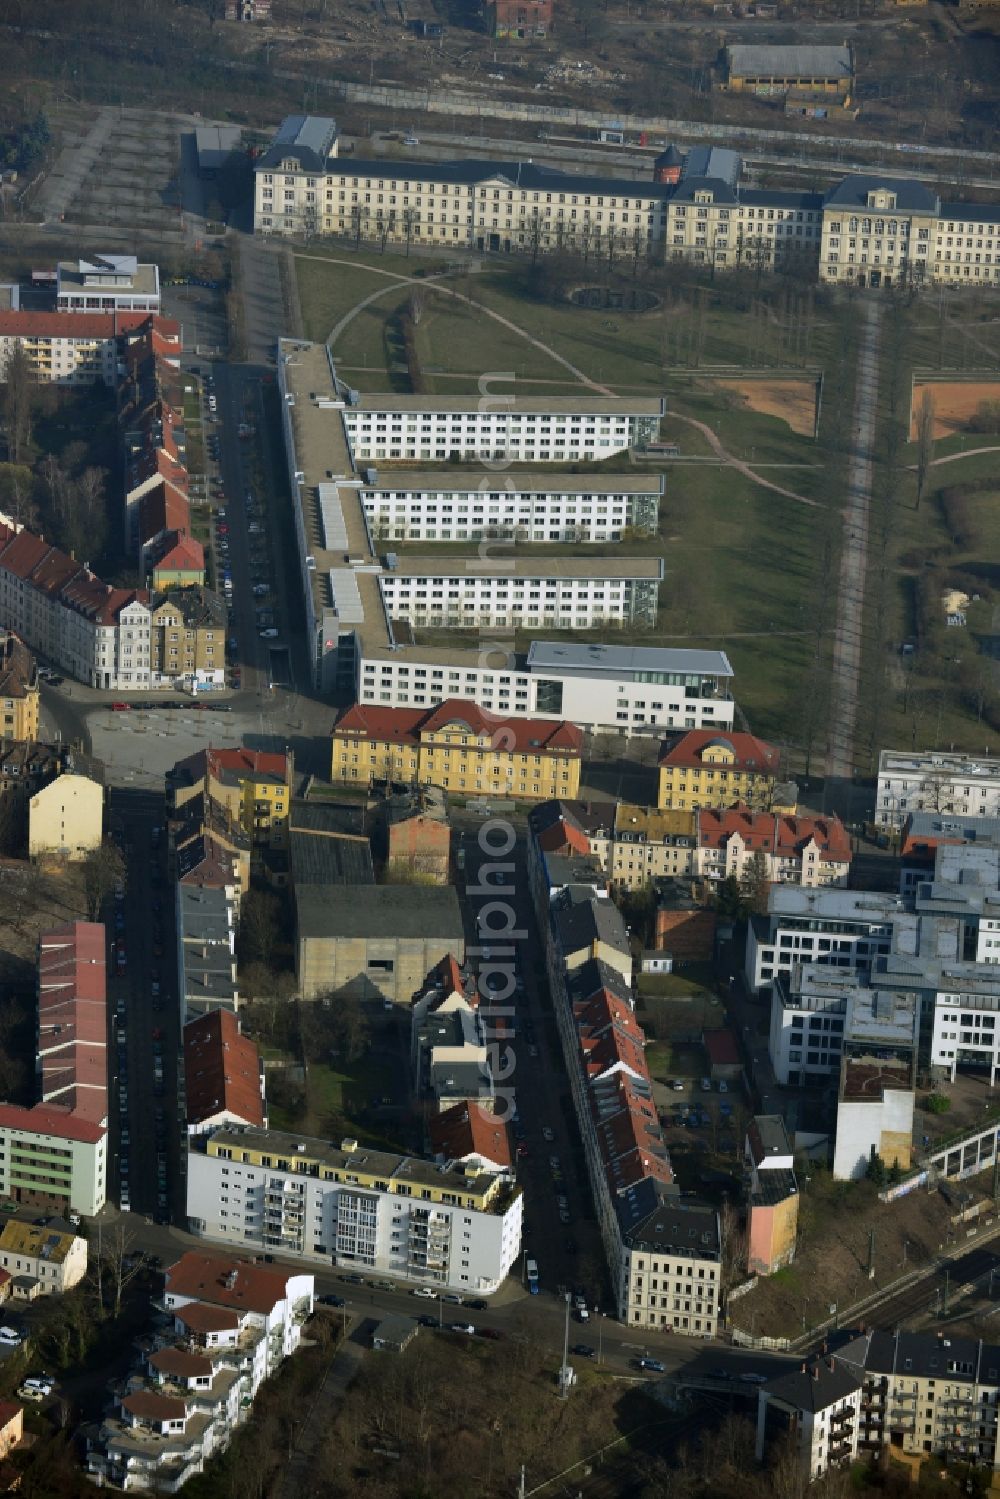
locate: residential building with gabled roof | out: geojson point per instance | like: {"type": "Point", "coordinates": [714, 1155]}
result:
{"type": "Point", "coordinates": [817, 1407]}
{"type": "Point", "coordinates": [223, 1074]}
{"type": "Point", "coordinates": [48, 1254]}
{"type": "Point", "coordinates": [706, 768]}
{"type": "Point", "coordinates": [471, 1135]}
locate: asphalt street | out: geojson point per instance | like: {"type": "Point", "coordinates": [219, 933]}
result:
{"type": "Point", "coordinates": [147, 1112]}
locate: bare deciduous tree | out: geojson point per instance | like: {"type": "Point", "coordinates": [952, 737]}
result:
{"type": "Point", "coordinates": [925, 442]}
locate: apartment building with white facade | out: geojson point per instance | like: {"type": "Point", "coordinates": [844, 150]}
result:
{"type": "Point", "coordinates": [964, 785]}
{"type": "Point", "coordinates": [234, 1323]}
{"type": "Point", "coordinates": [454, 1227]}
{"type": "Point", "coordinates": [817, 1408]}
{"type": "Point", "coordinates": [498, 427]}
{"type": "Point", "coordinates": [351, 594]}
{"type": "Point", "coordinates": [565, 593]}
{"type": "Point", "coordinates": [72, 348]}
{"type": "Point", "coordinates": [515, 506]}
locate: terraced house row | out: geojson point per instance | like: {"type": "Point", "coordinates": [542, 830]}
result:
{"type": "Point", "coordinates": [870, 229]}
{"type": "Point", "coordinates": [663, 1250]}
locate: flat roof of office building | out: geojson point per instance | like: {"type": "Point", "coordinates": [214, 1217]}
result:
{"type": "Point", "coordinates": [550, 655]}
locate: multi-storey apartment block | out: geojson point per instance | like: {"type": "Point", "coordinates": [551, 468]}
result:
{"type": "Point", "coordinates": [459, 747]}
{"type": "Point", "coordinates": [498, 427]}
{"type": "Point", "coordinates": [254, 786]}
{"type": "Point", "coordinates": [816, 1407]}
{"type": "Point", "coordinates": [453, 1226]}
{"type": "Point", "coordinates": [705, 768]}
{"type": "Point", "coordinates": [512, 507]}
{"type": "Point", "coordinates": [960, 785]}
{"type": "Point", "coordinates": [564, 593]}
{"type": "Point", "coordinates": [352, 595]}
{"type": "Point", "coordinates": [870, 229]}
{"type": "Point", "coordinates": [927, 1392]}
{"type": "Point", "coordinates": [72, 348]}
{"type": "Point", "coordinates": [791, 850]}
{"type": "Point", "coordinates": [19, 692]}
{"type": "Point", "coordinates": [633, 844]}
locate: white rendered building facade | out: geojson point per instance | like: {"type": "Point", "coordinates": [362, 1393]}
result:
{"type": "Point", "coordinates": [515, 507]}
{"type": "Point", "coordinates": [496, 428]}
{"type": "Point", "coordinates": [829, 926]}
{"type": "Point", "coordinates": [968, 785]}
{"type": "Point", "coordinates": [567, 595]}
{"type": "Point", "coordinates": [623, 688]}
{"type": "Point", "coordinates": [443, 1226]}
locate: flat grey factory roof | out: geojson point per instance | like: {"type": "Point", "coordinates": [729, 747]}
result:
{"type": "Point", "coordinates": [489, 482]}
{"type": "Point", "coordinates": [528, 567]}
{"type": "Point", "coordinates": [757, 60]}
{"type": "Point", "coordinates": [549, 655]}
{"type": "Point", "coordinates": [503, 405]}
{"type": "Point", "coordinates": [386, 911]}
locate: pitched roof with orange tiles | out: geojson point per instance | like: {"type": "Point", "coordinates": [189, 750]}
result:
{"type": "Point", "coordinates": [242, 764]}
{"type": "Point", "coordinates": [750, 753]}
{"type": "Point", "coordinates": [828, 833]}
{"type": "Point", "coordinates": [506, 735]}
{"type": "Point", "coordinates": [72, 1019]}
{"type": "Point", "coordinates": [80, 325]}
{"type": "Point", "coordinates": [49, 1119]}
{"type": "Point", "coordinates": [609, 1036]}
{"type": "Point", "coordinates": [768, 832]}
{"type": "Point", "coordinates": [467, 1130]}
{"type": "Point", "coordinates": [162, 508]}
{"type": "Point", "coordinates": [221, 1070]}
{"type": "Point", "coordinates": [150, 463]}
{"type": "Point", "coordinates": [207, 1277]}
{"type": "Point", "coordinates": [184, 554]}
{"type": "Point", "coordinates": [629, 1134]}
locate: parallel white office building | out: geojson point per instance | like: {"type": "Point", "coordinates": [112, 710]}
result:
{"type": "Point", "coordinates": [498, 428]}
{"type": "Point", "coordinates": [362, 607]}
{"type": "Point", "coordinates": [567, 593]}
{"type": "Point", "coordinates": [515, 506]}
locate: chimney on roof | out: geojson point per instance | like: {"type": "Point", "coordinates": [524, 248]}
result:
{"type": "Point", "coordinates": [815, 1371]}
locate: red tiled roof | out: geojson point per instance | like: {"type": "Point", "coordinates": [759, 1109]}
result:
{"type": "Point", "coordinates": [750, 752]}
{"type": "Point", "coordinates": [609, 1035]}
{"type": "Point", "coordinates": [153, 462]}
{"type": "Point", "coordinates": [149, 1406]}
{"type": "Point", "coordinates": [468, 1129]}
{"type": "Point", "coordinates": [770, 832]}
{"type": "Point", "coordinates": [163, 507]}
{"type": "Point", "coordinates": [185, 555]}
{"type": "Point", "coordinates": [221, 1070]}
{"type": "Point", "coordinates": [48, 1119]}
{"type": "Point", "coordinates": [87, 325]}
{"type": "Point", "coordinates": [72, 1019]}
{"type": "Point", "coordinates": [721, 1047]}
{"type": "Point", "coordinates": [828, 833]}
{"type": "Point", "coordinates": [244, 762]}
{"type": "Point", "coordinates": [628, 1133]}
{"type": "Point", "coordinates": [203, 1277]}
{"type": "Point", "coordinates": [408, 725]}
